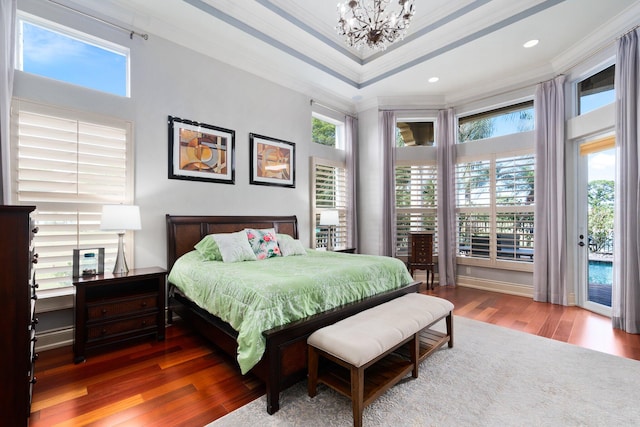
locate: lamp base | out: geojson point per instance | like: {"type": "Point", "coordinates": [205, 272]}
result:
{"type": "Point", "coordinates": [121, 264]}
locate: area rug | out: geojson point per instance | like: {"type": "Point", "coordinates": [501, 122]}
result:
{"type": "Point", "coordinates": [493, 376]}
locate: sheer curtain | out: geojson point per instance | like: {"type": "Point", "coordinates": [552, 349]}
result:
{"type": "Point", "coordinates": [351, 133]}
{"type": "Point", "coordinates": [7, 52]}
{"type": "Point", "coordinates": [446, 140]}
{"type": "Point", "coordinates": [626, 277]}
{"type": "Point", "coordinates": [387, 126]}
{"type": "Point", "coordinates": [549, 269]}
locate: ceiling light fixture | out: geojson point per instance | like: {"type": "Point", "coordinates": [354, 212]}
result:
{"type": "Point", "coordinates": [530, 43]}
{"type": "Point", "coordinates": [366, 22]}
{"type": "Point", "coordinates": [433, 79]}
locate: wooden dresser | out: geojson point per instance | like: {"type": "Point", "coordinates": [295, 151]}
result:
{"type": "Point", "coordinates": [17, 323]}
{"type": "Point", "coordinates": [421, 254]}
{"type": "Point", "coordinates": [114, 309]}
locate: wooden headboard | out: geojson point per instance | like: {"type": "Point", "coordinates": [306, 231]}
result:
{"type": "Point", "coordinates": [183, 232]}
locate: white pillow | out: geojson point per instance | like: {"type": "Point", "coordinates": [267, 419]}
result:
{"type": "Point", "coordinates": [290, 246]}
{"type": "Point", "coordinates": [234, 247]}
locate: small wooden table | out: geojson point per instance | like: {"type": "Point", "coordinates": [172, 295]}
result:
{"type": "Point", "coordinates": [117, 308]}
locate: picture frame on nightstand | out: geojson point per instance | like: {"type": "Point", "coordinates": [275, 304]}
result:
{"type": "Point", "coordinates": [88, 262]}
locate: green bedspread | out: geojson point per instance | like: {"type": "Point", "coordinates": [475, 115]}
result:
{"type": "Point", "coordinates": [255, 296]}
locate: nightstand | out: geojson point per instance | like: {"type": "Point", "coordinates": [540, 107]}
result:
{"type": "Point", "coordinates": [345, 250]}
{"type": "Point", "coordinates": [113, 309]}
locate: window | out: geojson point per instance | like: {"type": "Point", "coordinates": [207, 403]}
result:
{"type": "Point", "coordinates": [69, 164]}
{"type": "Point", "coordinates": [495, 208]}
{"type": "Point", "coordinates": [503, 121]}
{"type": "Point", "coordinates": [414, 133]}
{"type": "Point", "coordinates": [51, 50]}
{"type": "Point", "coordinates": [416, 202]}
{"type": "Point", "coordinates": [327, 131]}
{"type": "Point", "coordinates": [329, 193]}
{"type": "Point", "coordinates": [597, 90]}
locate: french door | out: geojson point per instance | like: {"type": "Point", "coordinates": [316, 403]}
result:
{"type": "Point", "coordinates": [596, 189]}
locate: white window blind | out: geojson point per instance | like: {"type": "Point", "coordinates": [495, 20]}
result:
{"type": "Point", "coordinates": [69, 165]}
{"type": "Point", "coordinates": [416, 202]}
{"type": "Point", "coordinates": [329, 193]}
{"type": "Point", "coordinates": [495, 208]}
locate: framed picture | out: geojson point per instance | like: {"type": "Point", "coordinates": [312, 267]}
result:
{"type": "Point", "coordinates": [88, 262]}
{"type": "Point", "coordinates": [273, 161]}
{"type": "Point", "coordinates": [201, 152]}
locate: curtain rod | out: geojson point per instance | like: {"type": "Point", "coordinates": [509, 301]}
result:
{"type": "Point", "coordinates": [312, 101]}
{"type": "Point", "coordinates": [131, 32]}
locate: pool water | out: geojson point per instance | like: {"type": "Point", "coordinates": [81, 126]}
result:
{"type": "Point", "coordinates": [600, 281]}
{"type": "Point", "coordinates": [601, 272]}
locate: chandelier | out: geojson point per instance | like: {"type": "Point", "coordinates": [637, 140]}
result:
{"type": "Point", "coordinates": [368, 24]}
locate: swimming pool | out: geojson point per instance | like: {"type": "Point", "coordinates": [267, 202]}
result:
{"type": "Point", "coordinates": [600, 281]}
{"type": "Point", "coordinates": [601, 272]}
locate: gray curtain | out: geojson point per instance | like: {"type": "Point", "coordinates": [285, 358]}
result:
{"type": "Point", "coordinates": [351, 128]}
{"type": "Point", "coordinates": [446, 145]}
{"type": "Point", "coordinates": [387, 126]}
{"type": "Point", "coordinates": [549, 268]}
{"type": "Point", "coordinates": [7, 53]}
{"type": "Point", "coordinates": [626, 272]}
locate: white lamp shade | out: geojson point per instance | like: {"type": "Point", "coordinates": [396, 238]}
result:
{"type": "Point", "coordinates": [120, 217]}
{"type": "Point", "coordinates": [329, 218]}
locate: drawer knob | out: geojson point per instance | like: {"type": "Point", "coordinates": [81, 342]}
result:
{"type": "Point", "coordinates": [35, 357]}
{"type": "Point", "coordinates": [34, 321]}
{"type": "Point", "coordinates": [34, 297]}
{"type": "Point", "coordinates": [34, 339]}
{"type": "Point", "coordinates": [34, 230]}
{"type": "Point", "coordinates": [104, 311]}
{"type": "Point", "coordinates": [103, 332]}
{"type": "Point", "coordinates": [143, 304]}
{"type": "Point", "coordinates": [33, 380]}
{"type": "Point", "coordinates": [144, 323]}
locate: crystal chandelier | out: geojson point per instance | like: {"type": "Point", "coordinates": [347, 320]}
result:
{"type": "Point", "coordinates": [368, 24]}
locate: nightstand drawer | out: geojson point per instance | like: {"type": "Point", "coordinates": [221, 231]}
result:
{"type": "Point", "coordinates": [119, 307]}
{"type": "Point", "coordinates": [106, 330]}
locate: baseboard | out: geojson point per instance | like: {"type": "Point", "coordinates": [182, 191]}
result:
{"type": "Point", "coordinates": [495, 286]}
{"type": "Point", "coordinates": [54, 339]}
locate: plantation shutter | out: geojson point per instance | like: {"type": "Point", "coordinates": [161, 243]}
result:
{"type": "Point", "coordinates": [330, 193]}
{"type": "Point", "coordinates": [416, 202]}
{"type": "Point", "coordinates": [69, 165]}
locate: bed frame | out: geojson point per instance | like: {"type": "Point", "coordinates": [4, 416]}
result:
{"type": "Point", "coordinates": [285, 359]}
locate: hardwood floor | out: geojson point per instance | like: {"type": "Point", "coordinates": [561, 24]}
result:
{"type": "Point", "coordinates": [184, 381]}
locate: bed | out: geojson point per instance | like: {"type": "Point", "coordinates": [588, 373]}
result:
{"type": "Point", "coordinates": [283, 362]}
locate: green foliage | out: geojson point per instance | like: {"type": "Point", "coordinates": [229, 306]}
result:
{"type": "Point", "coordinates": [600, 194]}
{"type": "Point", "coordinates": [323, 132]}
{"type": "Point", "coordinates": [476, 129]}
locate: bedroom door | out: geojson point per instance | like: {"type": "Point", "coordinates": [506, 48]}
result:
{"type": "Point", "coordinates": [596, 218]}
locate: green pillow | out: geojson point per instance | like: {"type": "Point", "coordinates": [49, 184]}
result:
{"type": "Point", "coordinates": [208, 248]}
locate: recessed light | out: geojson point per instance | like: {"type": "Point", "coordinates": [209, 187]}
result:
{"type": "Point", "coordinates": [433, 79]}
{"type": "Point", "coordinates": [531, 43]}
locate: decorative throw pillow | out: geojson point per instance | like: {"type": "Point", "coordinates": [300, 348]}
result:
{"type": "Point", "coordinates": [263, 242]}
{"type": "Point", "coordinates": [290, 246]}
{"type": "Point", "coordinates": [234, 247]}
{"type": "Point", "coordinates": [208, 248]}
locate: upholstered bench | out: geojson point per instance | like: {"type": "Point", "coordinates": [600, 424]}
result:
{"type": "Point", "coordinates": [388, 341]}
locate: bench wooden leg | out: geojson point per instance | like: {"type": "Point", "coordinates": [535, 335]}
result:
{"type": "Point", "coordinates": [312, 384]}
{"type": "Point", "coordinates": [449, 321]}
{"type": "Point", "coordinates": [357, 394]}
{"type": "Point", "coordinates": [414, 344]}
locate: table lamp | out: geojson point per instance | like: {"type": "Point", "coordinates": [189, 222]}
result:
{"type": "Point", "coordinates": [120, 218]}
{"type": "Point", "coordinates": [330, 219]}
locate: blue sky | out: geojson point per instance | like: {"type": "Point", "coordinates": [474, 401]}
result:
{"type": "Point", "coordinates": [51, 54]}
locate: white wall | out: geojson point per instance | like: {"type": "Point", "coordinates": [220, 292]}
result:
{"type": "Point", "coordinates": [167, 79]}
